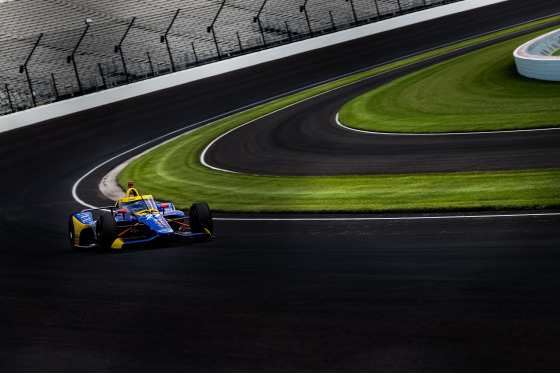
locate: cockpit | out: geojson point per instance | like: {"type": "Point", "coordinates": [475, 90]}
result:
{"type": "Point", "coordinates": [142, 204]}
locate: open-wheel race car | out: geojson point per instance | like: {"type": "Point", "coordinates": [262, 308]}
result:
{"type": "Point", "coordinates": [138, 219]}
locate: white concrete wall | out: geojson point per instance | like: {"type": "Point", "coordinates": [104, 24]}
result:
{"type": "Point", "coordinates": [62, 108]}
{"type": "Point", "coordinates": [533, 59]}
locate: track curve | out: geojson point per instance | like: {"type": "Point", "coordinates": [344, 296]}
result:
{"type": "Point", "coordinates": [459, 294]}
{"type": "Point", "coordinates": [305, 139]}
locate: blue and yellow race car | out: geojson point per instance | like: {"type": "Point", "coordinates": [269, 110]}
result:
{"type": "Point", "coordinates": [138, 219]}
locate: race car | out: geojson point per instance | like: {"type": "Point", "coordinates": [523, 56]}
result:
{"type": "Point", "coordinates": [137, 219]}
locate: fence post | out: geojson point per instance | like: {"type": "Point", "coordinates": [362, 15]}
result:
{"type": "Point", "coordinates": [399, 4]}
{"type": "Point", "coordinates": [24, 67]}
{"type": "Point", "coordinates": [164, 39]}
{"type": "Point", "coordinates": [72, 59]}
{"type": "Point", "coordinates": [304, 10]}
{"type": "Point", "coordinates": [9, 98]}
{"type": "Point", "coordinates": [194, 52]}
{"type": "Point", "coordinates": [118, 48]}
{"type": "Point", "coordinates": [258, 19]}
{"type": "Point", "coordinates": [54, 87]}
{"type": "Point", "coordinates": [211, 28]}
{"type": "Point", "coordinates": [151, 65]}
{"type": "Point", "coordinates": [102, 75]}
{"type": "Point", "coordinates": [239, 41]}
{"type": "Point", "coordinates": [377, 9]}
{"type": "Point", "coordinates": [289, 32]}
{"type": "Point", "coordinates": [332, 21]}
{"type": "Point", "coordinates": [354, 11]}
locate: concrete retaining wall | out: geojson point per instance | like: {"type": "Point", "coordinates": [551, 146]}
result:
{"type": "Point", "coordinates": [534, 60]}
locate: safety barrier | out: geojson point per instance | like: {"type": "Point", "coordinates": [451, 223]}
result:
{"type": "Point", "coordinates": [534, 59]}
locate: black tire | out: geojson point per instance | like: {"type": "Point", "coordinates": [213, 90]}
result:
{"type": "Point", "coordinates": [106, 231]}
{"type": "Point", "coordinates": [200, 219]}
{"type": "Point", "coordinates": [72, 232]}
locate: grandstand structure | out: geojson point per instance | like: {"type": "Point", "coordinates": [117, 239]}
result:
{"type": "Point", "coordinates": [56, 49]}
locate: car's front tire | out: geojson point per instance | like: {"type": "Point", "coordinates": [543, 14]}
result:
{"type": "Point", "coordinates": [200, 219]}
{"type": "Point", "coordinates": [106, 229]}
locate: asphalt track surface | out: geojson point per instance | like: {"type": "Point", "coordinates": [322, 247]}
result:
{"type": "Point", "coordinates": [307, 139]}
{"type": "Point", "coordinates": [448, 294]}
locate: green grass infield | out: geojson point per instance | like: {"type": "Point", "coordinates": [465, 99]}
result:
{"type": "Point", "coordinates": [173, 172]}
{"type": "Point", "coordinates": [480, 91]}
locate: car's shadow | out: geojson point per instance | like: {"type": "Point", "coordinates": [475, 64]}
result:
{"type": "Point", "coordinates": [95, 251]}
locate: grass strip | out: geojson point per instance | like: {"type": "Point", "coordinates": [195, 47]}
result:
{"type": "Point", "coordinates": [479, 91]}
{"type": "Point", "coordinates": [182, 184]}
{"type": "Point", "coordinates": [173, 172]}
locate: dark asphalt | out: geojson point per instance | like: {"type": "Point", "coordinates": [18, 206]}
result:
{"type": "Point", "coordinates": [461, 294]}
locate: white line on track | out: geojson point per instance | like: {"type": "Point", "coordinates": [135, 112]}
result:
{"type": "Point", "coordinates": [441, 133]}
{"type": "Point", "coordinates": [402, 218]}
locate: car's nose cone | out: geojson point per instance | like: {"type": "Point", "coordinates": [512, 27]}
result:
{"type": "Point", "coordinates": [157, 223]}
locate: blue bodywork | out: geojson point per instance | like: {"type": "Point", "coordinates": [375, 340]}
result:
{"type": "Point", "coordinates": [150, 226]}
{"type": "Point", "coordinates": [132, 228]}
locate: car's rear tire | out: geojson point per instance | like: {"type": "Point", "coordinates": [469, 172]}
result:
{"type": "Point", "coordinates": [106, 231]}
{"type": "Point", "coordinates": [200, 219]}
{"type": "Point", "coordinates": [72, 232]}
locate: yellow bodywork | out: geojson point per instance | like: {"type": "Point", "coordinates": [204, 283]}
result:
{"type": "Point", "coordinates": [78, 228]}
{"type": "Point", "coordinates": [133, 195]}
{"type": "Point", "coordinates": [117, 244]}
